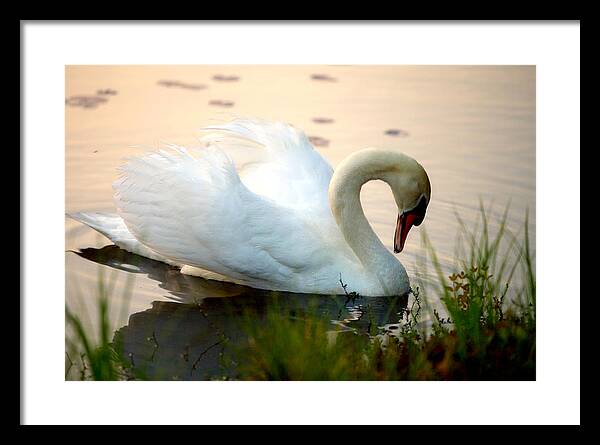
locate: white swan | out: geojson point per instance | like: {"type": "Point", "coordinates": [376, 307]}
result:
{"type": "Point", "coordinates": [282, 220]}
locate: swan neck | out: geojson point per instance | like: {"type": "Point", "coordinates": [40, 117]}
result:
{"type": "Point", "coordinates": [344, 198]}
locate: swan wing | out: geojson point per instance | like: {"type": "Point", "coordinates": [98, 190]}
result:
{"type": "Point", "coordinates": [192, 207]}
{"type": "Point", "coordinates": [277, 161]}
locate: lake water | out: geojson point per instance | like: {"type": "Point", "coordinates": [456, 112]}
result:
{"type": "Point", "coordinates": [471, 127]}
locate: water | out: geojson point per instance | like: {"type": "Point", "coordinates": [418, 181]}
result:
{"type": "Point", "coordinates": [471, 127]}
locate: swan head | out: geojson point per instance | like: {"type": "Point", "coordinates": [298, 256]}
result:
{"type": "Point", "coordinates": [412, 192]}
{"type": "Point", "coordinates": [405, 176]}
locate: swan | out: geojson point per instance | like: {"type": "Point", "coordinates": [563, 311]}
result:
{"type": "Point", "coordinates": [279, 218]}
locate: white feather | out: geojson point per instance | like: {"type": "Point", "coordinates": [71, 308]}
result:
{"type": "Point", "coordinates": [265, 222]}
{"type": "Point", "coordinates": [193, 207]}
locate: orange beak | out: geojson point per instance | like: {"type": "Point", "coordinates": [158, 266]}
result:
{"type": "Point", "coordinates": [403, 226]}
{"type": "Point", "coordinates": [405, 222]}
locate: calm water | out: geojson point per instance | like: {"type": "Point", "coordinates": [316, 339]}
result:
{"type": "Point", "coordinates": [471, 127]}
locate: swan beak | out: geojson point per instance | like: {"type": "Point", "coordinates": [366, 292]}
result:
{"type": "Point", "coordinates": [403, 226]}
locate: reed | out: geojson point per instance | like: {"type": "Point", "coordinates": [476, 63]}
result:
{"type": "Point", "coordinates": [91, 355]}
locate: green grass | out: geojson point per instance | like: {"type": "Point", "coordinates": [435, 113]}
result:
{"type": "Point", "coordinates": [91, 355]}
{"type": "Point", "coordinates": [485, 331]}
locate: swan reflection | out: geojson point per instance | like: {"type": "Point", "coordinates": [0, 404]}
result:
{"type": "Point", "coordinates": [184, 338]}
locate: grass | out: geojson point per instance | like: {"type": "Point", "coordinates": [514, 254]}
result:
{"type": "Point", "coordinates": [92, 355]}
{"type": "Point", "coordinates": [475, 323]}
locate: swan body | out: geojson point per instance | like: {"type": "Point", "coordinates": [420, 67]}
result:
{"type": "Point", "coordinates": [278, 218]}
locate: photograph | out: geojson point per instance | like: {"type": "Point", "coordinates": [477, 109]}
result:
{"type": "Point", "coordinates": [300, 222]}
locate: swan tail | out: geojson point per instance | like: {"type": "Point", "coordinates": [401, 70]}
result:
{"type": "Point", "coordinates": [113, 227]}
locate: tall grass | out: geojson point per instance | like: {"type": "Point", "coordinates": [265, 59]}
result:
{"type": "Point", "coordinates": [91, 355]}
{"type": "Point", "coordinates": [486, 329]}
{"type": "Point", "coordinates": [475, 297]}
